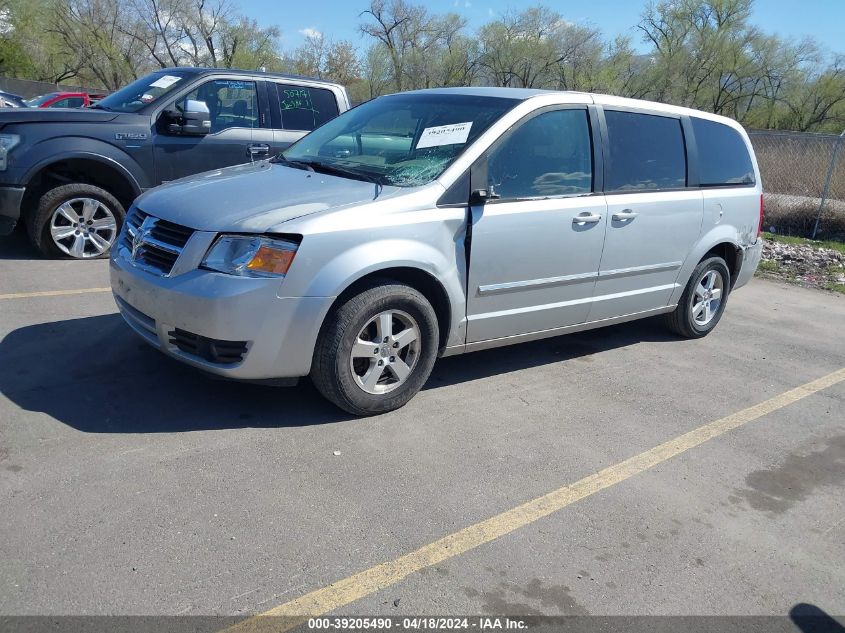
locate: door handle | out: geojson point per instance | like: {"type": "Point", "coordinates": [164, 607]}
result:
{"type": "Point", "coordinates": [625, 214]}
{"type": "Point", "coordinates": [586, 218]}
{"type": "Point", "coordinates": [257, 149]}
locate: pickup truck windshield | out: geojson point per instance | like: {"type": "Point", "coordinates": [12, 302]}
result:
{"type": "Point", "coordinates": [402, 140]}
{"type": "Point", "coordinates": [37, 102]}
{"type": "Point", "coordinates": [143, 92]}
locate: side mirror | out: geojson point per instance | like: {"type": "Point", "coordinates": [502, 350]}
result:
{"type": "Point", "coordinates": [480, 196]}
{"type": "Point", "coordinates": [196, 119]}
{"type": "Point", "coordinates": [192, 120]}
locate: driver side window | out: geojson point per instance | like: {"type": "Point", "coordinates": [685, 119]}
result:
{"type": "Point", "coordinates": [231, 103]}
{"type": "Point", "coordinates": [548, 155]}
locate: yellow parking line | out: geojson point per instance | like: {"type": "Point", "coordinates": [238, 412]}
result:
{"type": "Point", "coordinates": [53, 293]}
{"type": "Point", "coordinates": [343, 592]}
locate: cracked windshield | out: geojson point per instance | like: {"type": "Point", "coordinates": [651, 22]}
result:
{"type": "Point", "coordinates": [400, 140]}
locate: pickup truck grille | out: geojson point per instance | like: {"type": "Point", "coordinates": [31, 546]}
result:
{"type": "Point", "coordinates": [162, 243]}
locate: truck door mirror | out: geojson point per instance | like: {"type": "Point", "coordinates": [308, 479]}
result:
{"type": "Point", "coordinates": [193, 119]}
{"type": "Point", "coordinates": [196, 119]}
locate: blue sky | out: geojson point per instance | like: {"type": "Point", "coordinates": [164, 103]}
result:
{"type": "Point", "coordinates": [792, 19]}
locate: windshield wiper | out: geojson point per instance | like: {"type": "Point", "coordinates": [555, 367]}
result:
{"type": "Point", "coordinates": [97, 106]}
{"type": "Point", "coordinates": [345, 171]}
{"type": "Point", "coordinates": [296, 164]}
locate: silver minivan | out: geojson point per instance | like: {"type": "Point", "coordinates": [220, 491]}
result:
{"type": "Point", "coordinates": [439, 222]}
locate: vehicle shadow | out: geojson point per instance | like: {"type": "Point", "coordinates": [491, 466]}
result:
{"type": "Point", "coordinates": [811, 619]}
{"type": "Point", "coordinates": [16, 246]}
{"type": "Point", "coordinates": [96, 376]}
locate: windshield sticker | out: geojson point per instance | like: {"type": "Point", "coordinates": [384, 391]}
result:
{"type": "Point", "coordinates": [232, 84]}
{"type": "Point", "coordinates": [444, 135]}
{"type": "Point", "coordinates": [165, 82]}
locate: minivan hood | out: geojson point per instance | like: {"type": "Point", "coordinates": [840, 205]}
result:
{"type": "Point", "coordinates": [253, 198]}
{"type": "Point", "coordinates": [55, 115]}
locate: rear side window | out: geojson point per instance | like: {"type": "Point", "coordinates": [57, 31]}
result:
{"type": "Point", "coordinates": [646, 152]}
{"type": "Point", "coordinates": [305, 108]}
{"type": "Point", "coordinates": [722, 155]}
{"type": "Point", "coordinates": [548, 155]}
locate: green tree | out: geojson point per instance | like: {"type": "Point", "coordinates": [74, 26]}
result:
{"type": "Point", "coordinates": [377, 71]}
{"type": "Point", "coordinates": [95, 31]}
{"type": "Point", "coordinates": [28, 49]}
{"type": "Point", "coordinates": [416, 41]}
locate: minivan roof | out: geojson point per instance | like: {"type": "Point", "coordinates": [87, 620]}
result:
{"type": "Point", "coordinates": [522, 94]}
{"type": "Point", "coordinates": [488, 91]}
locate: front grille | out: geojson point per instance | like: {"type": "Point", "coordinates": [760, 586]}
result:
{"type": "Point", "coordinates": [210, 349]}
{"type": "Point", "coordinates": [162, 243]}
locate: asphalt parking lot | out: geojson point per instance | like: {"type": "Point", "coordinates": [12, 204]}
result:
{"type": "Point", "coordinates": [130, 484]}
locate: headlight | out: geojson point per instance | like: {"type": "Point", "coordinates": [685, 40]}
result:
{"type": "Point", "coordinates": [7, 142]}
{"type": "Point", "coordinates": [250, 256]}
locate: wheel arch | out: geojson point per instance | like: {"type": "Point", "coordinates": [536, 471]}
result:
{"type": "Point", "coordinates": [421, 280]}
{"type": "Point", "coordinates": [722, 241]}
{"type": "Point", "coordinates": [86, 168]}
{"type": "Point", "coordinates": [731, 253]}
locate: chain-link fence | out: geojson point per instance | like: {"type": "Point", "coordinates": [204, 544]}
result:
{"type": "Point", "coordinates": [804, 182]}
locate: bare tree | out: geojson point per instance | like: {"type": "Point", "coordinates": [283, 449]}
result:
{"type": "Point", "coordinates": [159, 26]}
{"type": "Point", "coordinates": [95, 30]}
{"type": "Point", "coordinates": [412, 37]}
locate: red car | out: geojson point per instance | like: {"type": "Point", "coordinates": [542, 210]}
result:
{"type": "Point", "coordinates": [64, 100]}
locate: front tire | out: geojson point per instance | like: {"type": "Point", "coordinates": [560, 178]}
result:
{"type": "Point", "coordinates": [704, 300]}
{"type": "Point", "coordinates": [375, 352]}
{"type": "Point", "coordinates": [77, 221]}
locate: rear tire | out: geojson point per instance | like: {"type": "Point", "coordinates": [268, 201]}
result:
{"type": "Point", "coordinates": [77, 221]}
{"type": "Point", "coordinates": [703, 301]}
{"type": "Point", "coordinates": [375, 352]}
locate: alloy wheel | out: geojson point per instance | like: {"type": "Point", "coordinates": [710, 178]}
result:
{"type": "Point", "coordinates": [83, 228]}
{"type": "Point", "coordinates": [707, 297]}
{"type": "Point", "coordinates": [385, 352]}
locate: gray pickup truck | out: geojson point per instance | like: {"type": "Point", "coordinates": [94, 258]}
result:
{"type": "Point", "coordinates": [70, 175]}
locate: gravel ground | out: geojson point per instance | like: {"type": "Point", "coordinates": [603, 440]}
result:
{"type": "Point", "coordinates": [806, 265]}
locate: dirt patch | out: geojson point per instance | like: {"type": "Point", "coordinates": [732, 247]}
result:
{"type": "Point", "coordinates": [804, 264]}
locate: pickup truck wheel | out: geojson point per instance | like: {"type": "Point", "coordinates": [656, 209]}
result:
{"type": "Point", "coordinates": [77, 221]}
{"type": "Point", "coordinates": [377, 350]}
{"type": "Point", "coordinates": [704, 299]}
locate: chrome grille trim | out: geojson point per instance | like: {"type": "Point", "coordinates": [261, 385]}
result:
{"type": "Point", "coordinates": [164, 246]}
{"type": "Point", "coordinates": [161, 242]}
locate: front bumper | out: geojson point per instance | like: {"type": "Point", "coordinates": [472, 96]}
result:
{"type": "Point", "coordinates": [751, 255]}
{"type": "Point", "coordinates": [279, 333]}
{"type": "Point", "coordinates": [10, 208]}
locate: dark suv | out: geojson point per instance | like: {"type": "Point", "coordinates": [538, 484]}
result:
{"type": "Point", "coordinates": [71, 174]}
